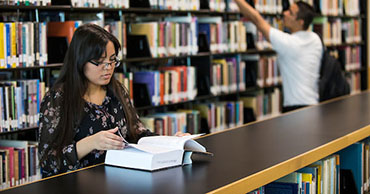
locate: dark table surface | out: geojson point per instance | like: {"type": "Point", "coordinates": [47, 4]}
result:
{"type": "Point", "coordinates": [244, 157]}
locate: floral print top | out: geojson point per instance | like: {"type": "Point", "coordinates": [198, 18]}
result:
{"type": "Point", "coordinates": [96, 118]}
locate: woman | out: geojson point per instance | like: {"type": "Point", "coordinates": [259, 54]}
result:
{"type": "Point", "coordinates": [87, 111]}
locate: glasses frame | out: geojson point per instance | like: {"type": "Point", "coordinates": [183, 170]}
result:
{"type": "Point", "coordinates": [106, 64]}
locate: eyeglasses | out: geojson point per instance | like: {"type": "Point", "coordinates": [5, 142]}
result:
{"type": "Point", "coordinates": [115, 63]}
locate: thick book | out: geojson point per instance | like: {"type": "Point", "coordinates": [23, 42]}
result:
{"type": "Point", "coordinates": [156, 152]}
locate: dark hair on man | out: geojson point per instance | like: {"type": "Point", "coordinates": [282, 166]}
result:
{"type": "Point", "coordinates": [306, 12]}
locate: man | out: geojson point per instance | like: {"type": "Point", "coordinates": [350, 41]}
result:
{"type": "Point", "coordinates": [298, 54]}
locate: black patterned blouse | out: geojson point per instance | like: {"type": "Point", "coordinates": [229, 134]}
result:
{"type": "Point", "coordinates": [97, 118]}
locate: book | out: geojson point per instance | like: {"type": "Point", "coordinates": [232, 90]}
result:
{"type": "Point", "coordinates": [294, 177]}
{"type": "Point", "coordinates": [10, 168]}
{"type": "Point", "coordinates": [281, 187]}
{"type": "Point", "coordinates": [309, 173]}
{"type": "Point", "coordinates": [156, 152]}
{"type": "Point", "coordinates": [351, 158]}
{"type": "Point", "coordinates": [150, 30]}
{"type": "Point", "coordinates": [151, 79]}
{"type": "Point", "coordinates": [24, 157]}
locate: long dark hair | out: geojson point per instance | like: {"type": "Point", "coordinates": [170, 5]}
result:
{"type": "Point", "coordinates": [88, 43]}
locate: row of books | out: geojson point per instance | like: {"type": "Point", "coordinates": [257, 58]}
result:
{"type": "Point", "coordinates": [179, 35]}
{"type": "Point", "coordinates": [321, 177]}
{"type": "Point", "coordinates": [175, 4]}
{"type": "Point", "coordinates": [338, 31]}
{"type": "Point", "coordinates": [223, 36]}
{"type": "Point", "coordinates": [348, 56]}
{"type": "Point", "coordinates": [226, 76]}
{"type": "Point", "coordinates": [173, 37]}
{"type": "Point", "coordinates": [23, 44]}
{"type": "Point", "coordinates": [221, 115]}
{"type": "Point", "coordinates": [325, 7]}
{"type": "Point", "coordinates": [263, 69]}
{"type": "Point", "coordinates": [18, 53]}
{"type": "Point", "coordinates": [272, 7]}
{"type": "Point", "coordinates": [186, 121]}
{"type": "Point", "coordinates": [168, 84]}
{"type": "Point", "coordinates": [26, 2]}
{"type": "Point", "coordinates": [223, 5]}
{"type": "Point", "coordinates": [333, 31]}
{"type": "Point", "coordinates": [101, 3]}
{"type": "Point", "coordinates": [20, 104]}
{"type": "Point", "coordinates": [19, 163]}
{"type": "Point", "coordinates": [213, 5]}
{"type": "Point", "coordinates": [74, 3]}
{"type": "Point", "coordinates": [340, 7]}
{"type": "Point", "coordinates": [217, 116]}
{"type": "Point", "coordinates": [264, 104]}
{"type": "Point", "coordinates": [347, 171]}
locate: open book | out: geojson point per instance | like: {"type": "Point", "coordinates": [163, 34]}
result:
{"type": "Point", "coordinates": [156, 152]}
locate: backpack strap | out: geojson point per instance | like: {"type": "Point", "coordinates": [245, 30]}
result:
{"type": "Point", "coordinates": [324, 50]}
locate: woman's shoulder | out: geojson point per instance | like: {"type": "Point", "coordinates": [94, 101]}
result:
{"type": "Point", "coordinates": [55, 93]}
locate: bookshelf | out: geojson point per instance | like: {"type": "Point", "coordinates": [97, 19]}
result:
{"type": "Point", "coordinates": [207, 58]}
{"type": "Point", "coordinates": [46, 69]}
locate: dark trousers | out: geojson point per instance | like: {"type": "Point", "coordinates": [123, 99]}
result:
{"type": "Point", "coordinates": [290, 108]}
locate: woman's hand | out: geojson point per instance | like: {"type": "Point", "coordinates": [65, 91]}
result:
{"type": "Point", "coordinates": [180, 134]}
{"type": "Point", "coordinates": [107, 140]}
{"type": "Point", "coordinates": [104, 140]}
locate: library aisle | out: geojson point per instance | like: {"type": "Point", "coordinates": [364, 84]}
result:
{"type": "Point", "coordinates": [194, 66]}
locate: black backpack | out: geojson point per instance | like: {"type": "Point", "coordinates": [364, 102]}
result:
{"type": "Point", "coordinates": [332, 82]}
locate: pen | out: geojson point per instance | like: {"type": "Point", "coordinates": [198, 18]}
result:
{"type": "Point", "coordinates": [124, 140]}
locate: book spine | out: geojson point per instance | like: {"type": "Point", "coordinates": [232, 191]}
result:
{"type": "Point", "coordinates": [36, 37]}
{"type": "Point", "coordinates": [2, 104]}
{"type": "Point", "coordinates": [13, 45]}
{"type": "Point", "coordinates": [19, 44]}
{"type": "Point", "coordinates": [7, 45]}
{"type": "Point", "coordinates": [7, 108]}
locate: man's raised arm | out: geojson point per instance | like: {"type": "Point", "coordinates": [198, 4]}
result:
{"type": "Point", "coordinates": [256, 18]}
